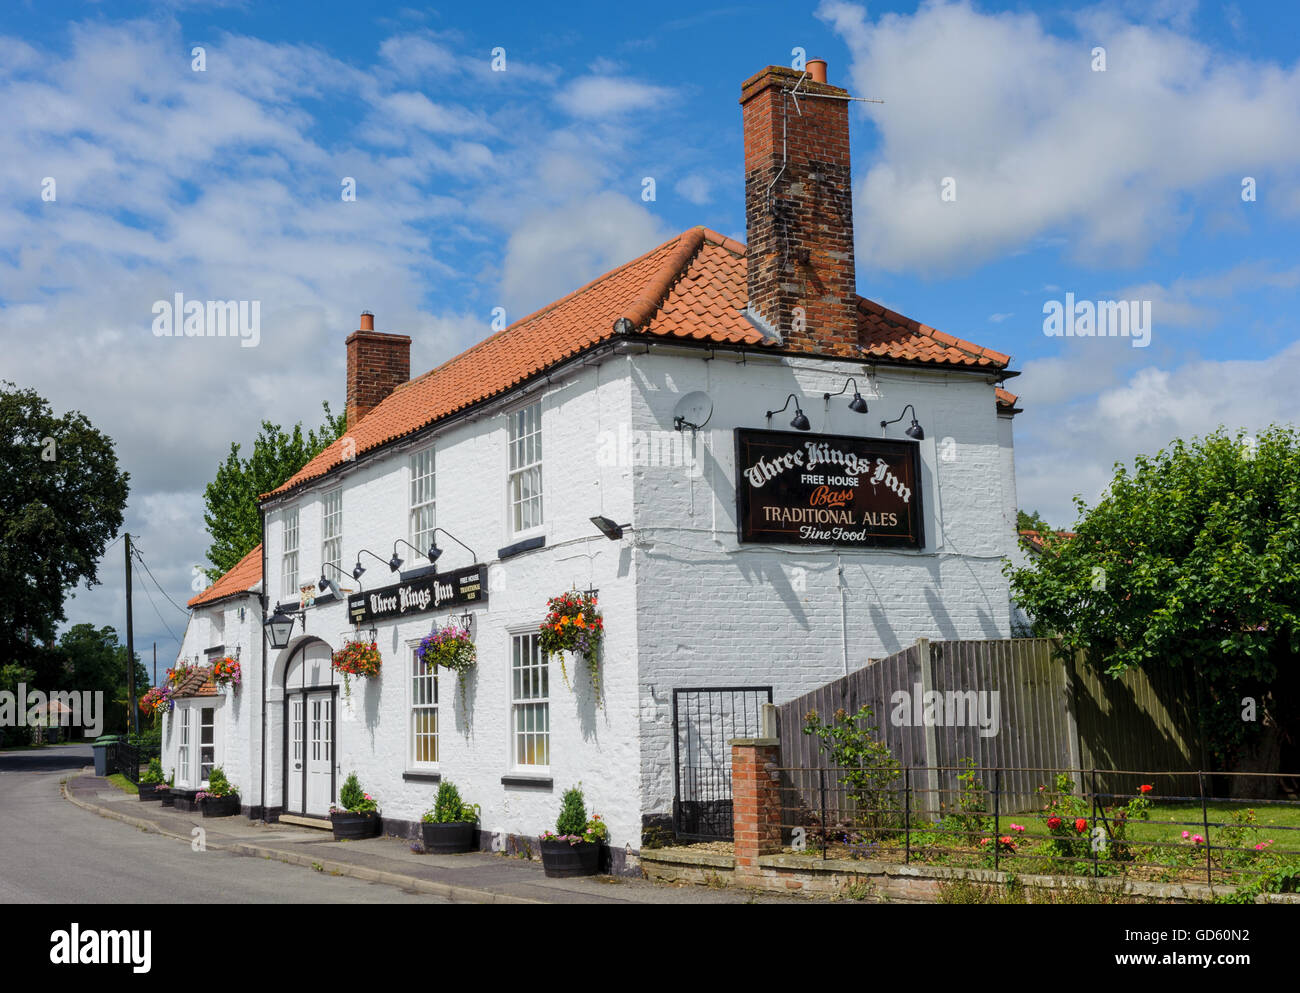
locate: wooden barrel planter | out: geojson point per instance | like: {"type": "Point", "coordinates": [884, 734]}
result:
{"type": "Point", "coordinates": [349, 826]}
{"type": "Point", "coordinates": [149, 792]}
{"type": "Point", "coordinates": [184, 800]}
{"type": "Point", "coordinates": [220, 806]}
{"type": "Point", "coordinates": [451, 838]}
{"type": "Point", "coordinates": [562, 860]}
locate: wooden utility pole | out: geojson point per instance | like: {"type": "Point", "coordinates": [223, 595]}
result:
{"type": "Point", "coordinates": [155, 663]}
{"type": "Point", "coordinates": [133, 724]}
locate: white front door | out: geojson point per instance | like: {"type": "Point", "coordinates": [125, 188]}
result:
{"type": "Point", "coordinates": [320, 753]}
{"type": "Point", "coordinates": [297, 750]}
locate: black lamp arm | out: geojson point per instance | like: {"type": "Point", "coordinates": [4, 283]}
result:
{"type": "Point", "coordinates": [885, 424]}
{"type": "Point", "coordinates": [787, 404]}
{"type": "Point", "coordinates": [403, 541]}
{"type": "Point", "coordinates": [845, 390]}
{"type": "Point", "coordinates": [459, 542]}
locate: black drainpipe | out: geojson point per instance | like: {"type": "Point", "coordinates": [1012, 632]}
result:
{"type": "Point", "coordinates": [265, 667]}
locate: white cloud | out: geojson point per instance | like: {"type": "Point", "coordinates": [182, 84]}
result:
{"type": "Point", "coordinates": [1038, 143]}
{"type": "Point", "coordinates": [609, 96]}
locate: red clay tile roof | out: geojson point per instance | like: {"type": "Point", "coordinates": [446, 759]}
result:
{"type": "Point", "coordinates": [196, 682]}
{"type": "Point", "coordinates": [1006, 400]}
{"type": "Point", "coordinates": [1034, 540]}
{"type": "Point", "coordinates": [246, 574]}
{"type": "Point", "coordinates": [692, 287]}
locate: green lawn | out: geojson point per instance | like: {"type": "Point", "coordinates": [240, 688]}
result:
{"type": "Point", "coordinates": [123, 784]}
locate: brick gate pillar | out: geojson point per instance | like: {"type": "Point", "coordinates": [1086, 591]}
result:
{"type": "Point", "coordinates": [755, 800]}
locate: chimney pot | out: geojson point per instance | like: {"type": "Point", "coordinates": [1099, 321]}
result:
{"type": "Point", "coordinates": [367, 321]}
{"type": "Point", "coordinates": [816, 69]}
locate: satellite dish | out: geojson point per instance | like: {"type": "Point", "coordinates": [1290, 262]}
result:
{"type": "Point", "coordinates": [692, 411]}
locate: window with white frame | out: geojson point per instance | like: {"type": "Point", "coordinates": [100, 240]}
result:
{"type": "Point", "coordinates": [424, 712]}
{"type": "Point", "coordinates": [331, 529]}
{"type": "Point", "coordinates": [289, 556]}
{"type": "Point", "coordinates": [530, 702]}
{"type": "Point", "coordinates": [423, 493]}
{"type": "Point", "coordinates": [526, 468]}
{"type": "Point", "coordinates": [207, 741]}
{"type": "Point", "coordinates": [183, 751]}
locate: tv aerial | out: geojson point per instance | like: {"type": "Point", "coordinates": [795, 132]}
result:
{"type": "Point", "coordinates": [692, 411]}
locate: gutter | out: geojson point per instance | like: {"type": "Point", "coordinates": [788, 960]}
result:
{"type": "Point", "coordinates": [261, 599]}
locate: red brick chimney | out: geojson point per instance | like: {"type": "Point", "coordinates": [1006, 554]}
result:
{"type": "Point", "coordinates": [378, 363]}
{"type": "Point", "coordinates": [799, 209]}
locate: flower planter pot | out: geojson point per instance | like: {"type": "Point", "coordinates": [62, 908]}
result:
{"type": "Point", "coordinates": [349, 826]}
{"type": "Point", "coordinates": [448, 839]}
{"type": "Point", "coordinates": [148, 794]}
{"type": "Point", "coordinates": [167, 797]}
{"type": "Point", "coordinates": [184, 800]}
{"type": "Point", "coordinates": [562, 860]}
{"type": "Point", "coordinates": [220, 806]}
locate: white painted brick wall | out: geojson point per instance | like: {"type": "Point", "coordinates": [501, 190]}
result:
{"type": "Point", "coordinates": [683, 603]}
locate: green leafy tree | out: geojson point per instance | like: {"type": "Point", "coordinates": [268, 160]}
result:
{"type": "Point", "coordinates": [60, 505]}
{"type": "Point", "coordinates": [1031, 522]}
{"type": "Point", "coordinates": [230, 500]}
{"type": "Point", "coordinates": [90, 658]}
{"type": "Point", "coordinates": [868, 771]}
{"type": "Point", "coordinates": [1191, 560]}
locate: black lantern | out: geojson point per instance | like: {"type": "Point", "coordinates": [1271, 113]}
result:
{"type": "Point", "coordinates": [857, 404]}
{"type": "Point", "coordinates": [279, 629]}
{"type": "Point", "coordinates": [799, 422]}
{"type": "Point", "coordinates": [915, 431]}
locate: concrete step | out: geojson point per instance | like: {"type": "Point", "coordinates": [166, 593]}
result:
{"type": "Point", "coordinates": [321, 823]}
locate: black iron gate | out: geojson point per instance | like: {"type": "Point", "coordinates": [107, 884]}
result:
{"type": "Point", "coordinates": [705, 719]}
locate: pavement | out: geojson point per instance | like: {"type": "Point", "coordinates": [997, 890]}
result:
{"type": "Point", "coordinates": [475, 877]}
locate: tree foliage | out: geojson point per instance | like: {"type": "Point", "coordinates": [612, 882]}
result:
{"type": "Point", "coordinates": [230, 500]}
{"type": "Point", "coordinates": [1190, 560]}
{"type": "Point", "coordinates": [60, 505]}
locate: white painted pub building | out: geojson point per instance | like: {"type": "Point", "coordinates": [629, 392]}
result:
{"type": "Point", "coordinates": [698, 436]}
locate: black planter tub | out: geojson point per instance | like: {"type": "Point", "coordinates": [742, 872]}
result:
{"type": "Point", "coordinates": [167, 797]}
{"type": "Point", "coordinates": [184, 800]}
{"type": "Point", "coordinates": [220, 806]}
{"type": "Point", "coordinates": [149, 792]}
{"type": "Point", "coordinates": [562, 860]}
{"type": "Point", "coordinates": [448, 839]}
{"type": "Point", "coordinates": [349, 826]}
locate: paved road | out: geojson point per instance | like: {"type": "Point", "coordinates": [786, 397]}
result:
{"type": "Point", "coordinates": [54, 852]}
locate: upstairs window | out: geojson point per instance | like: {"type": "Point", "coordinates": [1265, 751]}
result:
{"type": "Point", "coordinates": [331, 529]}
{"type": "Point", "coordinates": [526, 468]}
{"type": "Point", "coordinates": [423, 493]}
{"type": "Point", "coordinates": [289, 556]}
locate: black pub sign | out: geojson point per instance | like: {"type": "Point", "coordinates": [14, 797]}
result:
{"type": "Point", "coordinates": [434, 592]}
{"type": "Point", "coordinates": [797, 488]}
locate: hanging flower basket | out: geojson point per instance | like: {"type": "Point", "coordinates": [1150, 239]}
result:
{"type": "Point", "coordinates": [176, 676]}
{"type": "Point", "coordinates": [449, 647]}
{"type": "Point", "coordinates": [574, 625]}
{"type": "Point", "coordinates": [225, 672]}
{"type": "Point", "coordinates": [156, 700]}
{"type": "Point", "coordinates": [357, 658]}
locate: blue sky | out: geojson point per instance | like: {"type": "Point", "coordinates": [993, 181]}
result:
{"type": "Point", "coordinates": [478, 189]}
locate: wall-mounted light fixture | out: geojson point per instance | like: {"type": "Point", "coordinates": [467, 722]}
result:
{"type": "Point", "coordinates": [857, 404]}
{"type": "Point", "coordinates": [279, 627]}
{"type": "Point", "coordinates": [358, 569]}
{"type": "Point", "coordinates": [800, 422]}
{"type": "Point", "coordinates": [435, 551]}
{"type": "Point", "coordinates": [609, 529]}
{"type": "Point", "coordinates": [325, 583]}
{"type": "Point", "coordinates": [395, 563]}
{"type": "Point", "coordinates": [915, 431]}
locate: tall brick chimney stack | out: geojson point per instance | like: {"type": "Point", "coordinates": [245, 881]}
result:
{"type": "Point", "coordinates": [378, 363]}
{"type": "Point", "coordinates": [799, 209]}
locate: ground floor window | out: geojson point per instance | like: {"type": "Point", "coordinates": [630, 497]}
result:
{"type": "Point", "coordinates": [183, 751]}
{"type": "Point", "coordinates": [530, 702]}
{"type": "Point", "coordinates": [207, 742]}
{"type": "Point", "coordinates": [424, 712]}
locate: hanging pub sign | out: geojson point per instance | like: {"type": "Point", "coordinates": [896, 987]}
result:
{"type": "Point", "coordinates": [424, 593]}
{"type": "Point", "coordinates": [804, 489]}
